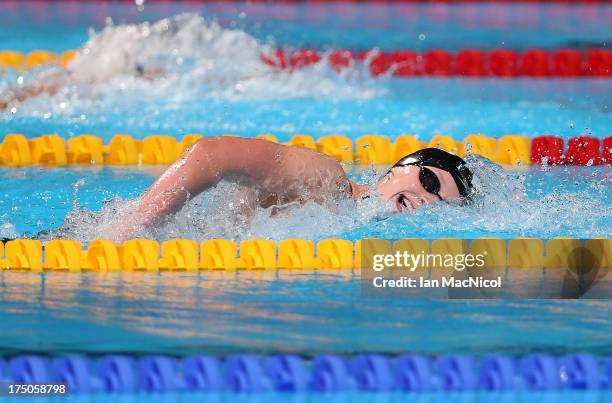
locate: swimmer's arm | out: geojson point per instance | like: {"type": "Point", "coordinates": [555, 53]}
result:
{"type": "Point", "coordinates": [18, 95]}
{"type": "Point", "coordinates": [254, 161]}
{"type": "Point", "coordinates": [52, 82]}
{"type": "Point", "coordinates": [47, 84]}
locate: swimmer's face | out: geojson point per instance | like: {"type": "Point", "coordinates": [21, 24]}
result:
{"type": "Point", "coordinates": [403, 188]}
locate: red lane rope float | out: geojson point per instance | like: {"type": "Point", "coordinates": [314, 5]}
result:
{"type": "Point", "coordinates": [406, 63]}
{"type": "Point", "coordinates": [465, 62]}
{"type": "Point", "coordinates": [581, 150]}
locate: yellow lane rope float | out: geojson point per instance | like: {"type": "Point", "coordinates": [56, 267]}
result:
{"type": "Point", "coordinates": [88, 149]}
{"type": "Point", "coordinates": [182, 255]}
{"type": "Point", "coordinates": [36, 58]}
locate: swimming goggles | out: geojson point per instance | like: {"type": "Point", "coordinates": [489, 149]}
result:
{"type": "Point", "coordinates": [434, 157]}
{"type": "Point", "coordinates": [429, 180]}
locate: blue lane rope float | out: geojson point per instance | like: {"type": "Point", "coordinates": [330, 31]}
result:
{"type": "Point", "coordinates": [324, 373]}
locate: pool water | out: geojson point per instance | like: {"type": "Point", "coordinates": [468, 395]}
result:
{"type": "Point", "coordinates": [386, 25]}
{"type": "Point", "coordinates": [215, 84]}
{"type": "Point", "coordinates": [266, 312]}
{"type": "Point", "coordinates": [317, 101]}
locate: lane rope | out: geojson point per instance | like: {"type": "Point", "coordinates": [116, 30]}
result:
{"type": "Point", "coordinates": [403, 62]}
{"type": "Point", "coordinates": [16, 150]}
{"type": "Point", "coordinates": [245, 373]}
{"type": "Point", "coordinates": [182, 255]}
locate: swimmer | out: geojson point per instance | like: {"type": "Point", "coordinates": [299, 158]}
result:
{"type": "Point", "coordinates": [169, 48]}
{"type": "Point", "coordinates": [112, 53]}
{"type": "Point", "coordinates": [284, 175]}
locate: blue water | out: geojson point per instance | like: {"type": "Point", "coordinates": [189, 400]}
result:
{"type": "Point", "coordinates": [423, 107]}
{"type": "Point", "coordinates": [266, 312]}
{"type": "Point", "coordinates": [32, 25]}
{"type": "Point", "coordinates": [306, 313]}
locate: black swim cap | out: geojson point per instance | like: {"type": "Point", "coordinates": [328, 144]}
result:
{"type": "Point", "coordinates": [437, 158]}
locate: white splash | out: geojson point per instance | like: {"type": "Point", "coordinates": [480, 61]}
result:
{"type": "Point", "coordinates": [182, 44]}
{"type": "Point", "coordinates": [186, 58]}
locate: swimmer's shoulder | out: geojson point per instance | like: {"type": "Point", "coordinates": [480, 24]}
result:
{"type": "Point", "coordinates": [309, 162]}
{"type": "Point", "coordinates": [279, 164]}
